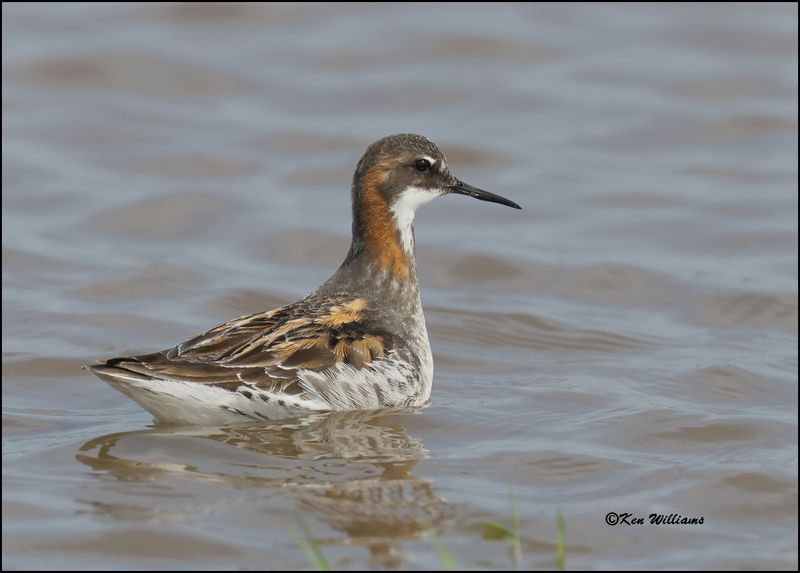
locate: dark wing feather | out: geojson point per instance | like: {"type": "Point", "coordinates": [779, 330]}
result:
{"type": "Point", "coordinates": [265, 350]}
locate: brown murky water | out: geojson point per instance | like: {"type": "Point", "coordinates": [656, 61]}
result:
{"type": "Point", "coordinates": [626, 343]}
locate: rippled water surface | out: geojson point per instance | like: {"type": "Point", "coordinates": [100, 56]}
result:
{"type": "Point", "coordinates": [626, 343]}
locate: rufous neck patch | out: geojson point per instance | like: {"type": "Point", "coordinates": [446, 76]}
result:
{"type": "Point", "coordinates": [379, 229]}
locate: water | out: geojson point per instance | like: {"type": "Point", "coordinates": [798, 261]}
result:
{"type": "Point", "coordinates": [626, 343]}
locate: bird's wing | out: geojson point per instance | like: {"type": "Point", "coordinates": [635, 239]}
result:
{"type": "Point", "coordinates": [266, 350]}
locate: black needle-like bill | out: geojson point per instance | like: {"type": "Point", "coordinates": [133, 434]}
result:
{"type": "Point", "coordinates": [462, 188]}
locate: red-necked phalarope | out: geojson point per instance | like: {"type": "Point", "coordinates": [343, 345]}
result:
{"type": "Point", "coordinates": [358, 342]}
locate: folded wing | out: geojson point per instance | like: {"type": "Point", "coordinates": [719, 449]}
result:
{"type": "Point", "coordinates": [266, 350]}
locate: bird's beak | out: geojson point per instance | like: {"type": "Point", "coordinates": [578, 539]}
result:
{"type": "Point", "coordinates": [462, 188]}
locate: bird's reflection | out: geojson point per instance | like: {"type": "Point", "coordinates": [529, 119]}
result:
{"type": "Point", "coordinates": [362, 485]}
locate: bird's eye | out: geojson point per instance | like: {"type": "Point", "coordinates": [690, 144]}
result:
{"type": "Point", "coordinates": [422, 164]}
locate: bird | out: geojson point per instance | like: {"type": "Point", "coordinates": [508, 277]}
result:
{"type": "Point", "coordinates": [357, 342]}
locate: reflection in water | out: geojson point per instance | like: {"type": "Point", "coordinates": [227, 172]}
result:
{"type": "Point", "coordinates": [379, 511]}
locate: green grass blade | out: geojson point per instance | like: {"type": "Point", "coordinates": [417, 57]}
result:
{"type": "Point", "coordinates": [562, 536]}
{"type": "Point", "coordinates": [516, 544]}
{"type": "Point", "coordinates": [312, 553]}
{"type": "Point", "coordinates": [448, 563]}
{"type": "Point", "coordinates": [311, 548]}
{"type": "Point", "coordinates": [493, 531]}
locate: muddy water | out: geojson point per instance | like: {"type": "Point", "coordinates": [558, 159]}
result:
{"type": "Point", "coordinates": [626, 343]}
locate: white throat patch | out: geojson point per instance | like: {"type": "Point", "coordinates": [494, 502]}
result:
{"type": "Point", "coordinates": [403, 210]}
